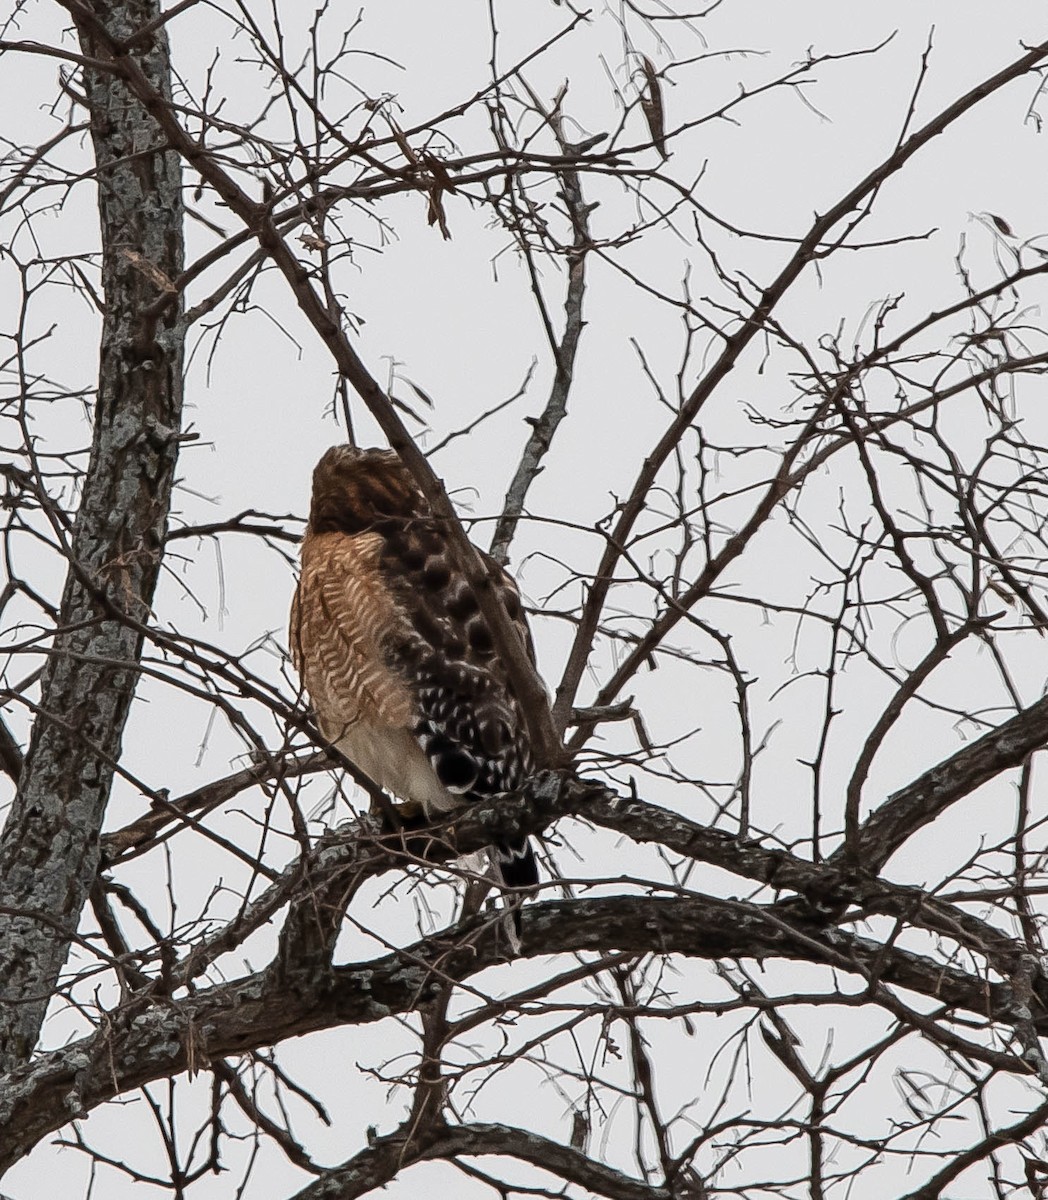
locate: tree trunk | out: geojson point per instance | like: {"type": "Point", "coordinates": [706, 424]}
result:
{"type": "Point", "coordinates": [49, 849]}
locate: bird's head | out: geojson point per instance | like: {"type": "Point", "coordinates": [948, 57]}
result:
{"type": "Point", "coordinates": [356, 490]}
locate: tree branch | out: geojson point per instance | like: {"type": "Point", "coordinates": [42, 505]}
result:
{"type": "Point", "coordinates": [386, 1157]}
{"type": "Point", "coordinates": [809, 249]}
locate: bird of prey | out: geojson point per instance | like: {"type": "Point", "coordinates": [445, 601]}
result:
{"type": "Point", "coordinates": [390, 643]}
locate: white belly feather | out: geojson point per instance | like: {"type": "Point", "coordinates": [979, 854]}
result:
{"type": "Point", "coordinates": [394, 760]}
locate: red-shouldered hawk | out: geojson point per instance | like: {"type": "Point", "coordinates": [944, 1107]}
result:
{"type": "Point", "coordinates": [397, 658]}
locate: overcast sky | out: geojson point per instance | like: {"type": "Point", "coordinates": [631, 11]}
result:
{"type": "Point", "coordinates": [456, 318]}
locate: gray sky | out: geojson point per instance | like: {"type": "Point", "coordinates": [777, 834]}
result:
{"type": "Point", "coordinates": [456, 318]}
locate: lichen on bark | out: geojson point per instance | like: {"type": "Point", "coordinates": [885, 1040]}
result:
{"type": "Point", "coordinates": [49, 849]}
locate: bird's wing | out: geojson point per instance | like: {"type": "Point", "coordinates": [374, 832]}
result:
{"type": "Point", "coordinates": [468, 720]}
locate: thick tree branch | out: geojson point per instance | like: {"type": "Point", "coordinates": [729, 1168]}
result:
{"type": "Point", "coordinates": [914, 806]}
{"type": "Point", "coordinates": [386, 1157]}
{"type": "Point", "coordinates": [356, 853]}
{"type": "Point", "coordinates": [151, 1039]}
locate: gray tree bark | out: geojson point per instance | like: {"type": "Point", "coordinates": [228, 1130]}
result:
{"type": "Point", "coordinates": [49, 849]}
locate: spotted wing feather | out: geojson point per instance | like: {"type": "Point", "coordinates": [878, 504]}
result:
{"type": "Point", "coordinates": [467, 718]}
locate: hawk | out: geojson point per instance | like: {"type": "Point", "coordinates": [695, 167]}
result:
{"type": "Point", "coordinates": [389, 642]}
